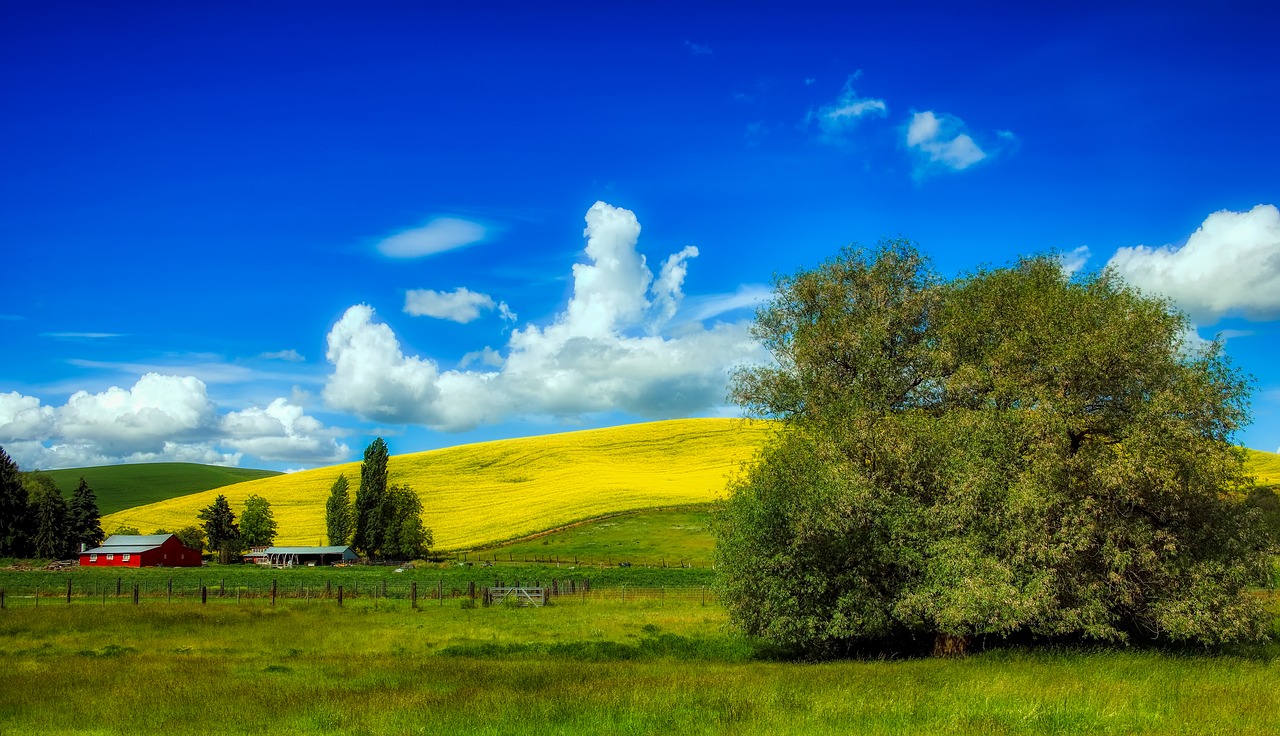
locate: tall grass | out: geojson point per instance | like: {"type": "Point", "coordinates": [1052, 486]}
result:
{"type": "Point", "coordinates": [569, 668]}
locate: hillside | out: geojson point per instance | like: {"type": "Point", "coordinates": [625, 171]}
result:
{"type": "Point", "coordinates": [488, 492]}
{"type": "Point", "coordinates": [1265, 467]}
{"type": "Point", "coordinates": [120, 487]}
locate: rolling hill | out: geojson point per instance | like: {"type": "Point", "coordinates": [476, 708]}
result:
{"type": "Point", "coordinates": [481, 494]}
{"type": "Point", "coordinates": [488, 492]}
{"type": "Point", "coordinates": [120, 487]}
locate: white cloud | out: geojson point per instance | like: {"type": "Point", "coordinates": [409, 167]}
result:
{"type": "Point", "coordinates": [460, 305]}
{"type": "Point", "coordinates": [282, 432]}
{"type": "Point", "coordinates": [747, 296]}
{"type": "Point", "coordinates": [837, 120]}
{"type": "Point", "coordinates": [604, 352]}
{"type": "Point", "coordinates": [1074, 260]}
{"type": "Point", "coordinates": [941, 142]}
{"type": "Point", "coordinates": [437, 236]}
{"type": "Point", "coordinates": [158, 419]}
{"type": "Point", "coordinates": [1230, 265]}
{"type": "Point", "coordinates": [290, 355]}
{"type": "Point", "coordinates": [82, 335]}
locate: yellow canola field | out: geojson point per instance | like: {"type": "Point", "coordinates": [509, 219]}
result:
{"type": "Point", "coordinates": [489, 492]}
{"type": "Point", "coordinates": [1265, 467]}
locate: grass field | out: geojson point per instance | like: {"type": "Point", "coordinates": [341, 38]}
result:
{"type": "Point", "coordinates": [664, 536]}
{"type": "Point", "coordinates": [120, 487]}
{"type": "Point", "coordinates": [595, 667]}
{"type": "Point", "coordinates": [1265, 467]}
{"type": "Point", "coordinates": [485, 493]}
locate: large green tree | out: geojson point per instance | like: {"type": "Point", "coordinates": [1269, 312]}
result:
{"type": "Point", "coordinates": [371, 500]}
{"type": "Point", "coordinates": [338, 516]}
{"type": "Point", "coordinates": [1014, 452]}
{"type": "Point", "coordinates": [84, 518]}
{"type": "Point", "coordinates": [407, 538]}
{"type": "Point", "coordinates": [257, 523]}
{"type": "Point", "coordinates": [15, 511]}
{"type": "Point", "coordinates": [220, 528]}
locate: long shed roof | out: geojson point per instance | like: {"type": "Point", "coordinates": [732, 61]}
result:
{"type": "Point", "coordinates": [346, 552]}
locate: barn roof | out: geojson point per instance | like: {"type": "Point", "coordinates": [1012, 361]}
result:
{"type": "Point", "coordinates": [346, 552]}
{"type": "Point", "coordinates": [136, 540]}
{"type": "Point", "coordinates": [119, 549]}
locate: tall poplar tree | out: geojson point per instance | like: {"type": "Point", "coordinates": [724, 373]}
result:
{"type": "Point", "coordinates": [371, 500]}
{"type": "Point", "coordinates": [337, 513]}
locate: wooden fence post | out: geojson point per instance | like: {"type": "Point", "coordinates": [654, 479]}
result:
{"type": "Point", "coordinates": [68, 591]}
{"type": "Point", "coordinates": [204, 595]}
{"type": "Point", "coordinates": [273, 592]}
{"type": "Point", "coordinates": [117, 587]}
{"type": "Point", "coordinates": [413, 595]}
{"type": "Point", "coordinates": [339, 595]}
{"type": "Point", "coordinates": [471, 590]}
{"type": "Point", "coordinates": [328, 590]}
{"type": "Point", "coordinates": [135, 594]}
{"type": "Point", "coordinates": [440, 590]}
{"type": "Point", "coordinates": [1, 599]}
{"type": "Point", "coordinates": [171, 590]}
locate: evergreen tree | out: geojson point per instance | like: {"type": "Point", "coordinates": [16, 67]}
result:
{"type": "Point", "coordinates": [84, 518]}
{"type": "Point", "coordinates": [220, 528]}
{"type": "Point", "coordinates": [15, 512]}
{"type": "Point", "coordinates": [52, 537]}
{"type": "Point", "coordinates": [257, 523]}
{"type": "Point", "coordinates": [371, 500]}
{"type": "Point", "coordinates": [338, 514]}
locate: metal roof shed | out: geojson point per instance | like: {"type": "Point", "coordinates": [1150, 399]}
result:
{"type": "Point", "coordinates": [291, 556]}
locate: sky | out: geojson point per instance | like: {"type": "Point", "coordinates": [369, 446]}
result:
{"type": "Point", "coordinates": [262, 234]}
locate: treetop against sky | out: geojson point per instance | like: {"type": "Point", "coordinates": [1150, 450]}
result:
{"type": "Point", "coordinates": [264, 236]}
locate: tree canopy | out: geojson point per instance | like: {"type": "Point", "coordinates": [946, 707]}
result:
{"type": "Point", "coordinates": [371, 500]}
{"type": "Point", "coordinates": [84, 519]}
{"type": "Point", "coordinates": [257, 523]}
{"type": "Point", "coordinates": [220, 528]}
{"type": "Point", "coordinates": [338, 516]}
{"type": "Point", "coordinates": [1013, 452]}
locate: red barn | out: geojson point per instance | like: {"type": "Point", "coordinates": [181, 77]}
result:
{"type": "Point", "coordinates": [146, 550]}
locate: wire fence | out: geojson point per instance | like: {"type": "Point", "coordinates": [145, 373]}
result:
{"type": "Point", "coordinates": [178, 590]}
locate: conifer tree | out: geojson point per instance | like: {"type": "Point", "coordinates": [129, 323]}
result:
{"type": "Point", "coordinates": [52, 537]}
{"type": "Point", "coordinates": [84, 517]}
{"type": "Point", "coordinates": [15, 513]}
{"type": "Point", "coordinates": [221, 529]}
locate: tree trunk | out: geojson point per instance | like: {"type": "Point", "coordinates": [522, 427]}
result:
{"type": "Point", "coordinates": [947, 645]}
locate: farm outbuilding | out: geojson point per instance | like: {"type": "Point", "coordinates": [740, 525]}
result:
{"type": "Point", "coordinates": [143, 550]}
{"type": "Point", "coordinates": [292, 556]}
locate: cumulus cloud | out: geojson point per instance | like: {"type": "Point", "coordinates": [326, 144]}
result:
{"type": "Point", "coordinates": [460, 305]}
{"type": "Point", "coordinates": [836, 121]}
{"type": "Point", "coordinates": [605, 352]}
{"type": "Point", "coordinates": [1229, 266]}
{"type": "Point", "coordinates": [282, 432]}
{"type": "Point", "coordinates": [941, 142]}
{"type": "Point", "coordinates": [437, 236]}
{"type": "Point", "coordinates": [159, 418]}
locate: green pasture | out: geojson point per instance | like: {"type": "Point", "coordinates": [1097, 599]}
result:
{"type": "Point", "coordinates": [598, 666]}
{"type": "Point", "coordinates": [660, 537]}
{"type": "Point", "coordinates": [120, 487]}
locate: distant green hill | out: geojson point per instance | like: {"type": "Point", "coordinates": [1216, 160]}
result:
{"type": "Point", "coordinates": [120, 487]}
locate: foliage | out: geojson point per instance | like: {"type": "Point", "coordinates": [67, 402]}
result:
{"type": "Point", "coordinates": [83, 517]}
{"type": "Point", "coordinates": [371, 500]}
{"type": "Point", "coordinates": [192, 537]}
{"type": "Point", "coordinates": [15, 515]}
{"type": "Point", "coordinates": [51, 536]}
{"type": "Point", "coordinates": [1012, 452]}
{"type": "Point", "coordinates": [120, 487]}
{"type": "Point", "coordinates": [220, 529]}
{"type": "Point", "coordinates": [339, 518]}
{"type": "Point", "coordinates": [257, 523]}
{"type": "Point", "coordinates": [123, 530]}
{"type": "Point", "coordinates": [405, 538]}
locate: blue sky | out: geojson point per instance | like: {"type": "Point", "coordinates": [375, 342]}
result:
{"type": "Point", "coordinates": [262, 234]}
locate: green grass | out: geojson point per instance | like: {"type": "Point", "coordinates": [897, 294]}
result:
{"type": "Point", "coordinates": [666, 536]}
{"type": "Point", "coordinates": [120, 487]}
{"type": "Point", "coordinates": [598, 666]}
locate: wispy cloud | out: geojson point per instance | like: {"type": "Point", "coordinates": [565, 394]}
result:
{"type": "Point", "coordinates": [747, 296]}
{"type": "Point", "coordinates": [82, 335]}
{"type": "Point", "coordinates": [697, 49]}
{"type": "Point", "coordinates": [1074, 260]}
{"type": "Point", "coordinates": [835, 122]}
{"type": "Point", "coordinates": [290, 356]}
{"type": "Point", "coordinates": [437, 236]}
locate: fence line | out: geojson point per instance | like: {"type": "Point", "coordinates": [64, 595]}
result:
{"type": "Point", "coordinates": [140, 592]}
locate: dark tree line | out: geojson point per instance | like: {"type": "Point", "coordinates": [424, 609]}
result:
{"type": "Point", "coordinates": [385, 522]}
{"type": "Point", "coordinates": [35, 519]}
